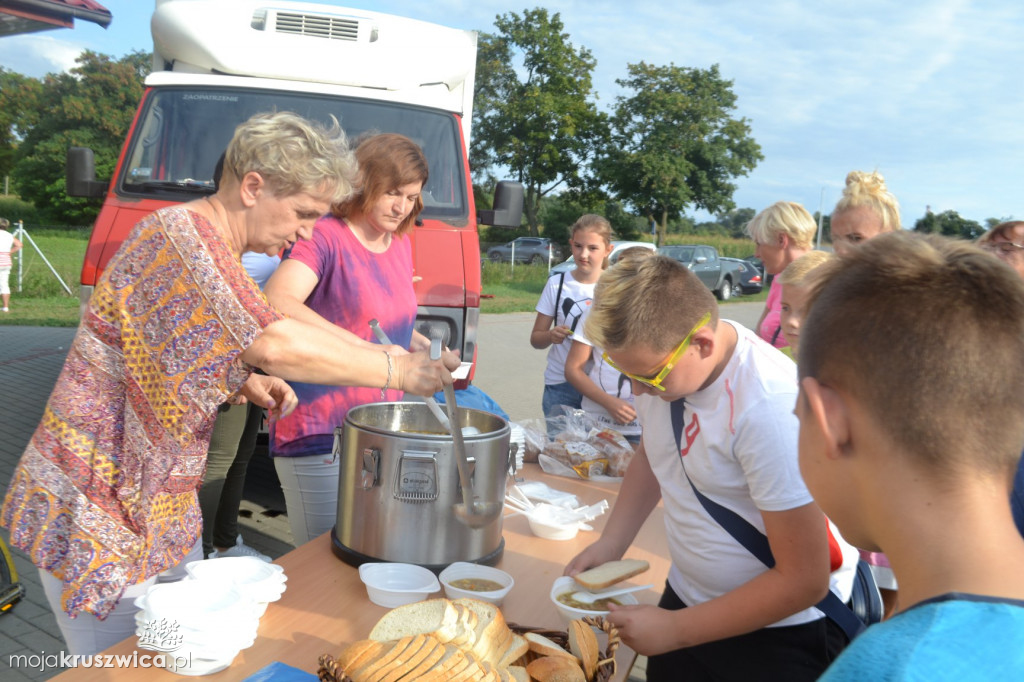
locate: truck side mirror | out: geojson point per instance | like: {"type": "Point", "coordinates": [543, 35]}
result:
{"type": "Point", "coordinates": [80, 174]}
{"type": "Point", "coordinates": [700, 259]}
{"type": "Point", "coordinates": [508, 206]}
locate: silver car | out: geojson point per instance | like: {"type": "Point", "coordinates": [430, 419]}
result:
{"type": "Point", "coordinates": [617, 249]}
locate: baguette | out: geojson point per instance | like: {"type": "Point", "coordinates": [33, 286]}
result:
{"type": "Point", "coordinates": [583, 644]}
{"type": "Point", "coordinates": [556, 669]}
{"type": "Point", "coordinates": [607, 574]}
{"type": "Point", "coordinates": [543, 646]}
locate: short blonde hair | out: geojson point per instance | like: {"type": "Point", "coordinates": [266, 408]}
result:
{"type": "Point", "coordinates": [1000, 230]}
{"type": "Point", "coordinates": [796, 273]}
{"type": "Point", "coordinates": [783, 217]}
{"type": "Point", "coordinates": [652, 302]}
{"type": "Point", "coordinates": [293, 155]}
{"type": "Point", "coordinates": [868, 189]}
{"type": "Point", "coordinates": [926, 334]}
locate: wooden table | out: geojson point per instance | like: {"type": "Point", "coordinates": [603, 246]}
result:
{"type": "Point", "coordinates": [325, 605]}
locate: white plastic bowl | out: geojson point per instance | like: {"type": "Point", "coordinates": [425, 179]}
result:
{"type": "Point", "coordinates": [394, 584]}
{"type": "Point", "coordinates": [463, 569]}
{"type": "Point", "coordinates": [566, 584]}
{"type": "Point", "coordinates": [198, 604]}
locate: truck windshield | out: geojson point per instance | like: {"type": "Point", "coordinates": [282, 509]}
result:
{"type": "Point", "coordinates": [183, 131]}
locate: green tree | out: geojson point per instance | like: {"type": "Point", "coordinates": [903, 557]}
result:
{"type": "Point", "coordinates": [949, 224]}
{"type": "Point", "coordinates": [92, 106]}
{"type": "Point", "coordinates": [534, 113]}
{"type": "Point", "coordinates": [735, 221]}
{"type": "Point", "coordinates": [19, 97]}
{"type": "Point", "coordinates": [674, 143]}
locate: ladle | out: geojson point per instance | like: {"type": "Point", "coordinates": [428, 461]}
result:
{"type": "Point", "coordinates": [435, 409]}
{"type": "Point", "coordinates": [469, 512]}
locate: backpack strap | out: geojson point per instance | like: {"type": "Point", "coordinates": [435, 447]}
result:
{"type": "Point", "coordinates": [558, 297]}
{"type": "Point", "coordinates": [753, 540]}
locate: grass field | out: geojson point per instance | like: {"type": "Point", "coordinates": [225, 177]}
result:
{"type": "Point", "coordinates": [41, 300]}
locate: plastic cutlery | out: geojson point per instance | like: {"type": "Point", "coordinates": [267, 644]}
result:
{"type": "Point", "coordinates": [585, 597]}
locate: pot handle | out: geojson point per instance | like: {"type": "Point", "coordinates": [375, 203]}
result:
{"type": "Point", "coordinates": [371, 468]}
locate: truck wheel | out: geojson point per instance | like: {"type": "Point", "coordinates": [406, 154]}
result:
{"type": "Point", "coordinates": [725, 292]}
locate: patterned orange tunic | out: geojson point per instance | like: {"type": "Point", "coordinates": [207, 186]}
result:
{"type": "Point", "coordinates": [105, 494]}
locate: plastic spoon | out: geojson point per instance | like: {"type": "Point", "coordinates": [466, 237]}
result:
{"type": "Point", "coordinates": [585, 597]}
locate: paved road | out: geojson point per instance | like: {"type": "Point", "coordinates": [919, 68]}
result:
{"type": "Point", "coordinates": [510, 371]}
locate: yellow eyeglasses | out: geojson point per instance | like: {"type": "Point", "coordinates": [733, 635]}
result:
{"type": "Point", "coordinates": [655, 381]}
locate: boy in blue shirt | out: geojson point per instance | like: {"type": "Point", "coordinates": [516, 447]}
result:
{"type": "Point", "coordinates": [911, 426]}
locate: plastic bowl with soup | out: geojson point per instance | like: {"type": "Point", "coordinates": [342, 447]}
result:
{"type": "Point", "coordinates": [565, 586]}
{"type": "Point", "coordinates": [486, 583]}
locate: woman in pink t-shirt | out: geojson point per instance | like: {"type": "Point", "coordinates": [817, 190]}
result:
{"type": "Point", "coordinates": [783, 232]}
{"type": "Point", "coordinates": [8, 244]}
{"type": "Point", "coordinates": [357, 267]}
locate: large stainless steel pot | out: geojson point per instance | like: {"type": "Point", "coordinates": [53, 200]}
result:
{"type": "Point", "coordinates": [399, 482]}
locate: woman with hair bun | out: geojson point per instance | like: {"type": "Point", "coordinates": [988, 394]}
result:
{"type": "Point", "coordinates": [866, 209]}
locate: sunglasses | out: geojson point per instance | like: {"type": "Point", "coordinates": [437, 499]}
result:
{"type": "Point", "coordinates": [655, 381]}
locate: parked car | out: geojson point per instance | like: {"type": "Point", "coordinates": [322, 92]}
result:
{"type": "Point", "coordinates": [720, 277]}
{"type": "Point", "coordinates": [617, 249]}
{"type": "Point", "coordinates": [526, 250]}
{"type": "Point", "coordinates": [750, 277]}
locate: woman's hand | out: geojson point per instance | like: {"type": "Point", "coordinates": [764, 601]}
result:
{"type": "Point", "coordinates": [269, 392]}
{"type": "Point", "coordinates": [416, 373]}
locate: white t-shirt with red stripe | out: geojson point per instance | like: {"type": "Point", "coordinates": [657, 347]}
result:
{"type": "Point", "coordinates": [740, 450]}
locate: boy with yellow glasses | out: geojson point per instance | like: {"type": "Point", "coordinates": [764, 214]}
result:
{"type": "Point", "coordinates": [718, 428]}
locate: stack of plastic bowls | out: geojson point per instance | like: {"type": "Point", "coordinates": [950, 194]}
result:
{"type": "Point", "coordinates": [199, 625]}
{"type": "Point", "coordinates": [260, 581]}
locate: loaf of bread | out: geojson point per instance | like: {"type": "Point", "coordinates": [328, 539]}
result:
{"type": "Point", "coordinates": [607, 574]}
{"type": "Point", "coordinates": [438, 640]}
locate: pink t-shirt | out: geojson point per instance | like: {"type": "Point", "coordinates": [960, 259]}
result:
{"type": "Point", "coordinates": [770, 329]}
{"type": "Point", "coordinates": [355, 286]}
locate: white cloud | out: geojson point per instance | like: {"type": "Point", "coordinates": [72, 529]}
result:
{"type": "Point", "coordinates": [37, 54]}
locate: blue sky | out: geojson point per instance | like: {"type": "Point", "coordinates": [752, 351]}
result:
{"type": "Point", "coordinates": [926, 92]}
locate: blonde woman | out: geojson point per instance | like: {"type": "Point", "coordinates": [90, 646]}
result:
{"type": "Point", "coordinates": [783, 232]}
{"type": "Point", "coordinates": [866, 209]}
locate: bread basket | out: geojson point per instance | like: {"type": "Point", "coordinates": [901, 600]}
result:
{"type": "Point", "coordinates": [330, 672]}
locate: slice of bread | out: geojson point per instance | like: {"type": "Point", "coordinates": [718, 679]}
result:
{"type": "Point", "coordinates": [556, 669]}
{"type": "Point", "coordinates": [358, 652]}
{"type": "Point", "coordinates": [516, 650]}
{"type": "Point", "coordinates": [452, 662]}
{"type": "Point", "coordinates": [490, 630]}
{"type": "Point", "coordinates": [545, 647]}
{"type": "Point", "coordinates": [583, 645]}
{"type": "Point", "coordinates": [607, 574]}
{"type": "Point", "coordinates": [412, 659]}
{"type": "Point", "coordinates": [519, 673]}
{"type": "Point", "coordinates": [368, 669]}
{"type": "Point", "coordinates": [436, 616]}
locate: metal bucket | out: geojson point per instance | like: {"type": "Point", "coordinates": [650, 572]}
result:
{"type": "Point", "coordinates": [399, 481]}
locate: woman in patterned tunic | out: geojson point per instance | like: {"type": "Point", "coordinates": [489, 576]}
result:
{"type": "Point", "coordinates": [104, 497]}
